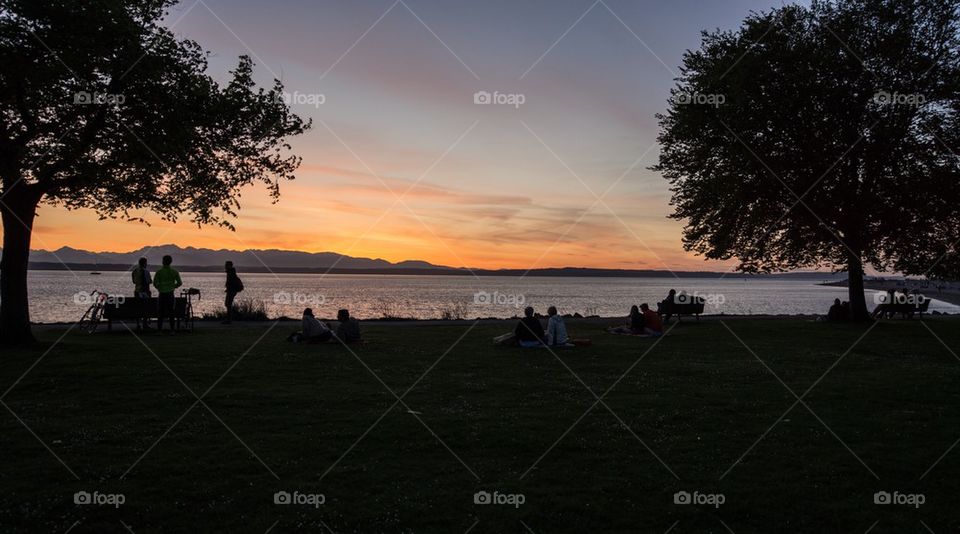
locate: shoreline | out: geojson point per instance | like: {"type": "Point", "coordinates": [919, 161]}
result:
{"type": "Point", "coordinates": [548, 272]}
{"type": "Point", "coordinates": [600, 321]}
{"type": "Point", "coordinates": [949, 294]}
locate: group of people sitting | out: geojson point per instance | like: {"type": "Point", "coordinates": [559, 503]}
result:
{"type": "Point", "coordinates": [529, 332]}
{"type": "Point", "coordinates": [314, 330]}
{"type": "Point", "coordinates": [839, 311]}
{"type": "Point", "coordinates": [887, 307]}
{"type": "Point", "coordinates": [643, 322]}
{"type": "Point", "coordinates": [891, 303]}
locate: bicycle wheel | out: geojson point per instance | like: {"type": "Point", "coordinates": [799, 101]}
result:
{"type": "Point", "coordinates": [93, 317]}
{"type": "Point", "coordinates": [85, 320]}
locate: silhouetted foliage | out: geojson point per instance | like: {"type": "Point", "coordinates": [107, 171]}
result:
{"type": "Point", "coordinates": [243, 310]}
{"type": "Point", "coordinates": [822, 136]}
{"type": "Point", "coordinates": [103, 108]}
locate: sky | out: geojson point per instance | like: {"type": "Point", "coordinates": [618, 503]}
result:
{"type": "Point", "coordinates": [403, 163]}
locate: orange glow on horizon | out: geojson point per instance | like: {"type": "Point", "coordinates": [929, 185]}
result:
{"type": "Point", "coordinates": [344, 208]}
{"type": "Point", "coordinates": [345, 228]}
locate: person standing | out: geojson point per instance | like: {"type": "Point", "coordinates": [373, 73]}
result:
{"type": "Point", "coordinates": [141, 280]}
{"type": "Point", "coordinates": [141, 290]}
{"type": "Point", "coordinates": [166, 280]}
{"type": "Point", "coordinates": [233, 286]}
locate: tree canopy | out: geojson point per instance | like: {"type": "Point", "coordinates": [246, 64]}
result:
{"type": "Point", "coordinates": [102, 107]}
{"type": "Point", "coordinates": [822, 136]}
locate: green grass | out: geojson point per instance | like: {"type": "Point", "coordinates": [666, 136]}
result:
{"type": "Point", "coordinates": [699, 399]}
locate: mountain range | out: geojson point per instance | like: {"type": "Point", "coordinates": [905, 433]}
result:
{"type": "Point", "coordinates": [205, 257]}
{"type": "Point", "coordinates": [291, 261]}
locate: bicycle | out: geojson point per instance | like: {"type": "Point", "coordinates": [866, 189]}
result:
{"type": "Point", "coordinates": [187, 315]}
{"type": "Point", "coordinates": [91, 318]}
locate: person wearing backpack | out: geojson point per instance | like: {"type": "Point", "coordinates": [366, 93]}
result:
{"type": "Point", "coordinates": [233, 286]}
{"type": "Point", "coordinates": [141, 290]}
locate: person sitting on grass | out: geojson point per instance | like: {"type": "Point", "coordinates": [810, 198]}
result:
{"type": "Point", "coordinates": [835, 313]}
{"type": "Point", "coordinates": [349, 329]}
{"type": "Point", "coordinates": [635, 328]}
{"type": "Point", "coordinates": [529, 331]}
{"type": "Point", "coordinates": [651, 321]}
{"type": "Point", "coordinates": [313, 330]}
{"type": "Point", "coordinates": [556, 329]}
{"type": "Point", "coordinates": [557, 332]}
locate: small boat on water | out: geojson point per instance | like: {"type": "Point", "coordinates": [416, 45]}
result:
{"type": "Point", "coordinates": [96, 272]}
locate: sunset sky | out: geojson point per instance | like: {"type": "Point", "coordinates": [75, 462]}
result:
{"type": "Point", "coordinates": [481, 185]}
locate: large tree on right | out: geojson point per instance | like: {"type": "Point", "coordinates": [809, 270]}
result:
{"type": "Point", "coordinates": [822, 136]}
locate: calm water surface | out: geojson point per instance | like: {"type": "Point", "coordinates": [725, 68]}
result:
{"type": "Point", "coordinates": [54, 294]}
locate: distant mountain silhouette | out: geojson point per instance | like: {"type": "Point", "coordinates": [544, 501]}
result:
{"type": "Point", "coordinates": [292, 261]}
{"type": "Point", "coordinates": [204, 257]}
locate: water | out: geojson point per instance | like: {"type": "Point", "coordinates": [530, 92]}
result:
{"type": "Point", "coordinates": [58, 296]}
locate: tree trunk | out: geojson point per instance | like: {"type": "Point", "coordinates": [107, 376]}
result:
{"type": "Point", "coordinates": [858, 301]}
{"type": "Point", "coordinates": [18, 210]}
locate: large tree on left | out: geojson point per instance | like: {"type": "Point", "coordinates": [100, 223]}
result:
{"type": "Point", "coordinates": [102, 107]}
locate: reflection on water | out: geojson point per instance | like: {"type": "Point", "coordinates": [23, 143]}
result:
{"type": "Point", "coordinates": [53, 294]}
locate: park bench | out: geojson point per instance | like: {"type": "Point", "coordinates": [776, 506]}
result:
{"type": "Point", "coordinates": [680, 309]}
{"type": "Point", "coordinates": [906, 310]}
{"type": "Point", "coordinates": [135, 309]}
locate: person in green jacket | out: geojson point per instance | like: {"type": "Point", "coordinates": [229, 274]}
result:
{"type": "Point", "coordinates": [166, 280]}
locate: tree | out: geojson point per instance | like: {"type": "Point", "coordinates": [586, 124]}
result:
{"type": "Point", "coordinates": [101, 107]}
{"type": "Point", "coordinates": [822, 136]}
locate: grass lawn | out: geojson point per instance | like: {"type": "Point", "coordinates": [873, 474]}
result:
{"type": "Point", "coordinates": [681, 414]}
